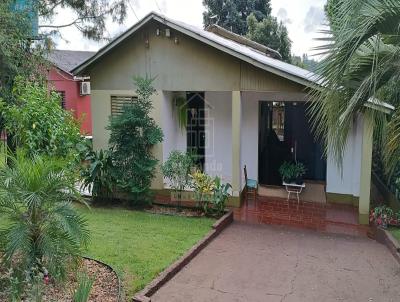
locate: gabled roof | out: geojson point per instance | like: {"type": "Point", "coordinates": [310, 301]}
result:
{"type": "Point", "coordinates": [228, 46]}
{"type": "Point", "coordinates": [66, 60]}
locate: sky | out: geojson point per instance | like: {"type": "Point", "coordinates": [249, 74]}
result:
{"type": "Point", "coordinates": [303, 19]}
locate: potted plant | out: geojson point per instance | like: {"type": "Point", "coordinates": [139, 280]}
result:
{"type": "Point", "coordinates": [292, 172]}
{"type": "Point", "coordinates": [299, 172]}
{"type": "Point", "coordinates": [287, 172]}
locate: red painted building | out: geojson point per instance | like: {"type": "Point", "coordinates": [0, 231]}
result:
{"type": "Point", "coordinates": [61, 80]}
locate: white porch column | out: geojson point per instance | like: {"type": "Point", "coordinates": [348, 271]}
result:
{"type": "Point", "coordinates": [236, 134]}
{"type": "Point", "coordinates": [365, 177]}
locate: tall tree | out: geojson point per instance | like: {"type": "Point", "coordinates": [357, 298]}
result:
{"type": "Point", "coordinates": [22, 51]}
{"type": "Point", "coordinates": [251, 18]}
{"type": "Point", "coordinates": [16, 55]}
{"type": "Point", "coordinates": [271, 33]}
{"type": "Point", "coordinates": [232, 14]}
{"type": "Point", "coordinates": [304, 62]}
{"type": "Point", "coordinates": [19, 47]}
{"type": "Point", "coordinates": [89, 16]}
{"type": "Point", "coordinates": [361, 64]}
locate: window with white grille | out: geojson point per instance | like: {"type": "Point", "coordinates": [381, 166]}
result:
{"type": "Point", "coordinates": [119, 101]}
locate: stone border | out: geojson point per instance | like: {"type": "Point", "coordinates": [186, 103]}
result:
{"type": "Point", "coordinates": [385, 237]}
{"type": "Point", "coordinates": [145, 294]}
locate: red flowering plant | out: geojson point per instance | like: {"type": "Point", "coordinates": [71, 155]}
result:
{"type": "Point", "coordinates": [384, 216]}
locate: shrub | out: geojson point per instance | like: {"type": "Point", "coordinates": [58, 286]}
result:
{"type": "Point", "coordinates": [210, 193]}
{"type": "Point", "coordinates": [384, 216]}
{"type": "Point", "coordinates": [37, 122]}
{"type": "Point", "coordinates": [97, 173]}
{"type": "Point", "coordinates": [177, 169]}
{"type": "Point", "coordinates": [219, 197]}
{"type": "Point", "coordinates": [133, 135]}
{"type": "Point", "coordinates": [203, 186]}
{"type": "Point", "coordinates": [43, 232]}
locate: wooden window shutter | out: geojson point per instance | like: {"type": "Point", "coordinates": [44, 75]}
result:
{"type": "Point", "coordinates": [119, 101]}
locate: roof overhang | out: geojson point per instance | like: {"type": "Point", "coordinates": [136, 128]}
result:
{"type": "Point", "coordinates": [307, 79]}
{"type": "Point", "coordinates": [185, 30]}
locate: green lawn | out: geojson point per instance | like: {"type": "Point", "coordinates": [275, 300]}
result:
{"type": "Point", "coordinates": [140, 245]}
{"type": "Point", "coordinates": [395, 232]}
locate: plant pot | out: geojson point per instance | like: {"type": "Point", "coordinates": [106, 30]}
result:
{"type": "Point", "coordinates": [289, 180]}
{"type": "Point", "coordinates": [299, 180]}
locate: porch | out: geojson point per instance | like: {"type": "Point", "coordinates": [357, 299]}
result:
{"type": "Point", "coordinates": [231, 129]}
{"type": "Point", "coordinates": [318, 216]}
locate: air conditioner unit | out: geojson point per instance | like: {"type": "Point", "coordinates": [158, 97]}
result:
{"type": "Point", "coordinates": [85, 88]}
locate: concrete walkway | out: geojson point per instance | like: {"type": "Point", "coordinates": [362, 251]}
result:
{"type": "Point", "coordinates": [268, 263]}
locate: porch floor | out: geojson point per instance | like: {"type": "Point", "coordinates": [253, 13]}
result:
{"type": "Point", "coordinates": [330, 218]}
{"type": "Point", "coordinates": [313, 191]}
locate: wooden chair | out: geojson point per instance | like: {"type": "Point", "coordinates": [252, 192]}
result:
{"type": "Point", "coordinates": [251, 185]}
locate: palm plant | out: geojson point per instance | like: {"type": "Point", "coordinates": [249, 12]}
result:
{"type": "Point", "coordinates": [43, 229]}
{"type": "Point", "coordinates": [359, 71]}
{"type": "Point", "coordinates": [85, 285]}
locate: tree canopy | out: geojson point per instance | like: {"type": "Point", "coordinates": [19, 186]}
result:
{"type": "Point", "coordinates": [37, 122]}
{"type": "Point", "coordinates": [250, 18]}
{"type": "Point", "coordinates": [360, 65]}
{"type": "Point", "coordinates": [305, 62]}
{"type": "Point", "coordinates": [16, 54]}
{"type": "Point", "coordinates": [21, 53]}
{"type": "Point", "coordinates": [271, 33]}
{"type": "Point", "coordinates": [89, 16]}
{"type": "Point", "coordinates": [232, 14]}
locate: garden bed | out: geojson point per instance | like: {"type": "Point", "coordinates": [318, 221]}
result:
{"type": "Point", "coordinates": [106, 287]}
{"type": "Point", "coordinates": [176, 211]}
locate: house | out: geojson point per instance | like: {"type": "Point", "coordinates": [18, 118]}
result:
{"type": "Point", "coordinates": [69, 87]}
{"type": "Point", "coordinates": [245, 107]}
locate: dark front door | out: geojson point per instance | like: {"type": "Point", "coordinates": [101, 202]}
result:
{"type": "Point", "coordinates": [273, 150]}
{"type": "Point", "coordinates": [305, 148]}
{"type": "Point", "coordinates": [196, 126]}
{"type": "Point", "coordinates": [285, 135]}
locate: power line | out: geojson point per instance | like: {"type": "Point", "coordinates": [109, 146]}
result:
{"type": "Point", "coordinates": [130, 5]}
{"type": "Point", "coordinates": [158, 7]}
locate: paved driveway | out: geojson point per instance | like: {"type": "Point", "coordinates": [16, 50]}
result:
{"type": "Point", "coordinates": [266, 263]}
